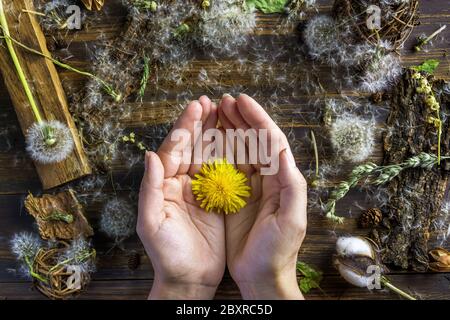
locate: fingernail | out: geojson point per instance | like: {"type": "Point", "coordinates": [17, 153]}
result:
{"type": "Point", "coordinates": [226, 95]}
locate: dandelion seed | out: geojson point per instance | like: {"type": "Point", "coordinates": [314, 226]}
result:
{"type": "Point", "coordinates": [220, 186]}
{"type": "Point", "coordinates": [49, 141]}
{"type": "Point", "coordinates": [352, 138]}
{"type": "Point", "coordinates": [118, 219]}
{"type": "Point", "coordinates": [78, 254]}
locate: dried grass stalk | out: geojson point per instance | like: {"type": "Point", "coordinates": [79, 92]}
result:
{"type": "Point", "coordinates": [397, 21]}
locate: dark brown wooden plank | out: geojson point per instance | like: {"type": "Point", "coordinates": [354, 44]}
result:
{"type": "Point", "coordinates": [429, 286]}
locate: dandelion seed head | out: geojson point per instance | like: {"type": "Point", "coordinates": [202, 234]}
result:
{"type": "Point", "coordinates": [322, 38]}
{"type": "Point", "coordinates": [49, 141]}
{"type": "Point", "coordinates": [224, 26]}
{"type": "Point", "coordinates": [118, 219]}
{"type": "Point", "coordinates": [25, 245]}
{"type": "Point", "coordinates": [79, 254]}
{"type": "Point", "coordinates": [352, 137]}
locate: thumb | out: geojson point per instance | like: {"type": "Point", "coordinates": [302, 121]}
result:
{"type": "Point", "coordinates": [293, 193]}
{"type": "Point", "coordinates": [151, 196]}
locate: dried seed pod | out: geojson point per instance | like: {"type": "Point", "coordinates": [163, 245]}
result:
{"type": "Point", "coordinates": [355, 246]}
{"type": "Point", "coordinates": [134, 260]}
{"type": "Point", "coordinates": [371, 218]}
{"type": "Point", "coordinates": [441, 259]}
{"type": "Point", "coordinates": [93, 4]}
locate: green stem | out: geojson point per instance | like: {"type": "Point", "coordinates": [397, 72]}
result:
{"type": "Point", "coordinates": [15, 59]}
{"type": "Point", "coordinates": [30, 266]}
{"type": "Point", "coordinates": [81, 258]}
{"type": "Point", "coordinates": [393, 288]}
{"type": "Point", "coordinates": [108, 89]}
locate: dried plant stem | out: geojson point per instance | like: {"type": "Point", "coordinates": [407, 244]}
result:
{"type": "Point", "coordinates": [107, 87]}
{"type": "Point", "coordinates": [423, 42]}
{"type": "Point", "coordinates": [385, 281]}
{"type": "Point", "coordinates": [376, 175]}
{"type": "Point", "coordinates": [15, 59]}
{"type": "Point", "coordinates": [30, 266]}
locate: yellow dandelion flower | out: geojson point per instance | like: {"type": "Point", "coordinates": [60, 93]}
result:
{"type": "Point", "coordinates": [221, 187]}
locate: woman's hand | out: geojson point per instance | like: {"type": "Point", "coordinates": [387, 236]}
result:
{"type": "Point", "coordinates": [263, 239]}
{"type": "Point", "coordinates": [186, 245]}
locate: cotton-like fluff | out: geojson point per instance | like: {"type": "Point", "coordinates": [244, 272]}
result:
{"type": "Point", "coordinates": [381, 72]}
{"type": "Point", "coordinates": [352, 137]}
{"type": "Point", "coordinates": [322, 38]}
{"type": "Point", "coordinates": [118, 219]}
{"type": "Point", "coordinates": [349, 246]}
{"type": "Point", "coordinates": [224, 26]}
{"type": "Point", "coordinates": [80, 255]}
{"type": "Point", "coordinates": [25, 246]}
{"type": "Point", "coordinates": [49, 141]}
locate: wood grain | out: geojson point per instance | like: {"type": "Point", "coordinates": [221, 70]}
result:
{"type": "Point", "coordinates": [47, 89]}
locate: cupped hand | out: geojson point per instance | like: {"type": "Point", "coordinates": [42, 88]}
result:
{"type": "Point", "coordinates": [186, 244]}
{"type": "Point", "coordinates": [263, 239]}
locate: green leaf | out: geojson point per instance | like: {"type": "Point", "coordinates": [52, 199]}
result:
{"type": "Point", "coordinates": [428, 66]}
{"type": "Point", "coordinates": [268, 6]}
{"type": "Point", "coordinates": [311, 278]}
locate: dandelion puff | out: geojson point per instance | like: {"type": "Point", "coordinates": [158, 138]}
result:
{"type": "Point", "coordinates": [220, 186]}
{"type": "Point", "coordinates": [118, 219]}
{"type": "Point", "coordinates": [352, 138]}
{"type": "Point", "coordinates": [49, 141]}
{"type": "Point", "coordinates": [78, 254]}
{"type": "Point", "coordinates": [25, 245]}
{"type": "Point", "coordinates": [224, 26]}
{"type": "Point", "coordinates": [381, 71]}
{"type": "Point", "coordinates": [322, 38]}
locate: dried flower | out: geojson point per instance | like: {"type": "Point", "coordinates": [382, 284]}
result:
{"type": "Point", "coordinates": [118, 219]}
{"type": "Point", "coordinates": [375, 175]}
{"type": "Point", "coordinates": [357, 260]}
{"type": "Point", "coordinates": [352, 137]}
{"type": "Point", "coordinates": [49, 141]}
{"type": "Point", "coordinates": [426, 89]}
{"type": "Point", "coordinates": [220, 186]}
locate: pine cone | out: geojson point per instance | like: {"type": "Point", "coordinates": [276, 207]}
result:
{"type": "Point", "coordinates": [93, 4]}
{"type": "Point", "coordinates": [134, 260]}
{"type": "Point", "coordinates": [370, 218]}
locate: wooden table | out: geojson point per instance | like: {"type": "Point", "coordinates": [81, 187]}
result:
{"type": "Point", "coordinates": [113, 279]}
